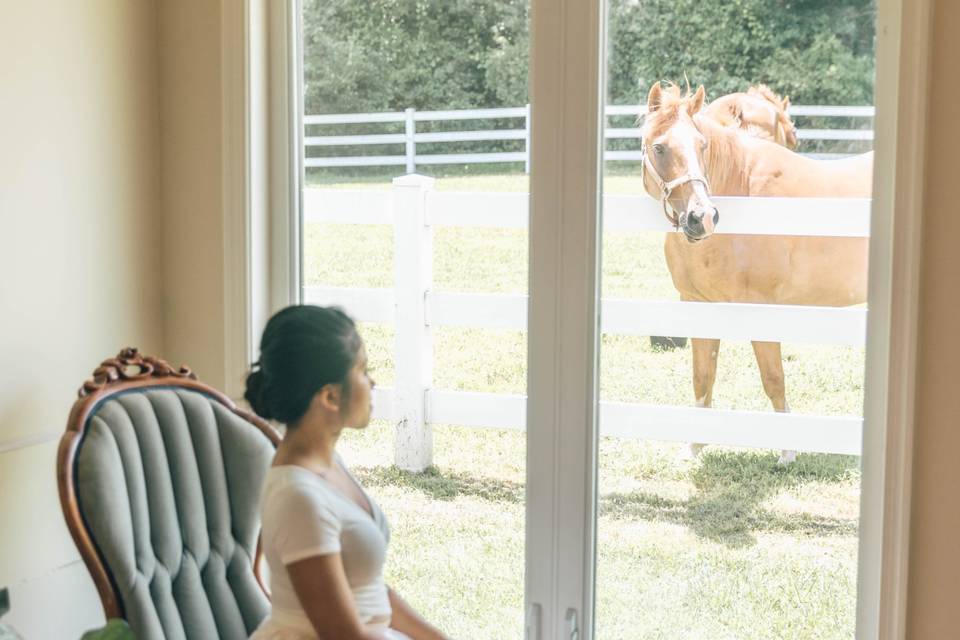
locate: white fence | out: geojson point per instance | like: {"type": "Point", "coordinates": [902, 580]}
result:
{"type": "Point", "coordinates": [410, 159]}
{"type": "Point", "coordinates": [414, 208]}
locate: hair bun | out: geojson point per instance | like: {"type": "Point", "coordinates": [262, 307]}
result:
{"type": "Point", "coordinates": [302, 349]}
{"type": "Point", "coordinates": [254, 394]}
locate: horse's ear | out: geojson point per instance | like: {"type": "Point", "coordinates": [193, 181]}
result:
{"type": "Point", "coordinates": [785, 104]}
{"type": "Point", "coordinates": [654, 97]}
{"type": "Point", "coordinates": [697, 102]}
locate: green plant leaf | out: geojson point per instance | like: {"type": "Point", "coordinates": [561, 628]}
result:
{"type": "Point", "coordinates": [114, 630]}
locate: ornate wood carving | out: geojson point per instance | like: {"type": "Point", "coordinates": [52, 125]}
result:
{"type": "Point", "coordinates": [128, 365]}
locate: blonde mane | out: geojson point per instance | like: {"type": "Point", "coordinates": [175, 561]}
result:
{"type": "Point", "coordinates": [765, 92]}
{"type": "Point", "coordinates": [724, 155]}
{"type": "Point", "coordinates": [657, 122]}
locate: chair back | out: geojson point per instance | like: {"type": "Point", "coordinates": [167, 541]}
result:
{"type": "Point", "coordinates": [160, 479]}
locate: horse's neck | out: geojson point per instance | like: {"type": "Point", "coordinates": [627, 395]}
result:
{"type": "Point", "coordinates": [763, 168]}
{"type": "Point", "coordinates": [743, 166]}
{"type": "Point", "coordinates": [772, 170]}
{"type": "Point", "coordinates": [751, 166]}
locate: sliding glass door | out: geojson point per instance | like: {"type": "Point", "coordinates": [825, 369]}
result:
{"type": "Point", "coordinates": [734, 280]}
{"type": "Point", "coordinates": [415, 217]}
{"type": "Point", "coordinates": [566, 90]}
{"type": "Point", "coordinates": [562, 445]}
{"type": "Point", "coordinates": [695, 492]}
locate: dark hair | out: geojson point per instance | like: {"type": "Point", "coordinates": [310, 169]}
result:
{"type": "Point", "coordinates": [303, 349]}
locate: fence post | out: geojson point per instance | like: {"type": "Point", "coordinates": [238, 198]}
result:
{"type": "Point", "coordinates": [413, 268]}
{"type": "Point", "coordinates": [526, 140]}
{"type": "Point", "coordinates": [411, 131]}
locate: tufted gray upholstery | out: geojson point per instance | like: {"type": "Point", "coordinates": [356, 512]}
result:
{"type": "Point", "coordinates": [168, 483]}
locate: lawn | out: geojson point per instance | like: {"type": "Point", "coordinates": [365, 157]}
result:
{"type": "Point", "coordinates": [728, 546]}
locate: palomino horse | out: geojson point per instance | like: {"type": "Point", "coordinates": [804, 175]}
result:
{"type": "Point", "coordinates": [759, 112]}
{"type": "Point", "coordinates": [687, 158]}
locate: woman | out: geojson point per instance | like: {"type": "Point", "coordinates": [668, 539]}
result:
{"type": "Point", "coordinates": [324, 538]}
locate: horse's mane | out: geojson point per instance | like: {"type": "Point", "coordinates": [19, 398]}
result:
{"type": "Point", "coordinates": [723, 152]}
{"type": "Point", "coordinates": [657, 122]}
{"type": "Point", "coordinates": [765, 92]}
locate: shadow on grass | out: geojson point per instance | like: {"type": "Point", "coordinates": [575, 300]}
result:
{"type": "Point", "coordinates": [730, 488]}
{"type": "Point", "coordinates": [726, 508]}
{"type": "Point", "coordinates": [444, 485]}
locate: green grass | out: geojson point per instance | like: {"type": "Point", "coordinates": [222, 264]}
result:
{"type": "Point", "coordinates": [820, 380]}
{"type": "Point", "coordinates": [728, 546]}
{"type": "Point", "coordinates": [476, 259]}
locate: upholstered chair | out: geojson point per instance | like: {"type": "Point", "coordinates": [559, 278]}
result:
{"type": "Point", "coordinates": [160, 478]}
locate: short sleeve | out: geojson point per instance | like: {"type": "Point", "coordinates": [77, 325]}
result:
{"type": "Point", "coordinates": [301, 524]}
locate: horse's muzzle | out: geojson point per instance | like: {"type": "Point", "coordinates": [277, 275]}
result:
{"type": "Point", "coordinates": [695, 227]}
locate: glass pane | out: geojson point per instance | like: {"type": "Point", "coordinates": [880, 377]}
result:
{"type": "Point", "coordinates": [729, 475]}
{"type": "Point", "coordinates": [435, 269]}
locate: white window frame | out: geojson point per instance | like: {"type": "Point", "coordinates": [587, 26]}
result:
{"type": "Point", "coordinates": [262, 174]}
{"type": "Point", "coordinates": [262, 170]}
{"type": "Point", "coordinates": [902, 49]}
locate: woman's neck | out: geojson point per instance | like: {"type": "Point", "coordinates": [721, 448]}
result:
{"type": "Point", "coordinates": [309, 445]}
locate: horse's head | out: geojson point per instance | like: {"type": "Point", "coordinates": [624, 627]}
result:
{"type": "Point", "coordinates": [758, 112]}
{"type": "Point", "coordinates": [674, 153]}
{"type": "Point", "coordinates": [785, 131]}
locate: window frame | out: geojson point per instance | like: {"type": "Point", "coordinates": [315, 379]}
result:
{"type": "Point", "coordinates": [262, 173]}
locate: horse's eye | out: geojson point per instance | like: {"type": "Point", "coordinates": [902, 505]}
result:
{"type": "Point", "coordinates": [658, 149]}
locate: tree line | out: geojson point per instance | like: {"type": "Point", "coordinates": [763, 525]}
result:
{"type": "Point", "coordinates": [382, 55]}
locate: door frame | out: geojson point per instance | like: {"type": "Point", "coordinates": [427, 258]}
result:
{"type": "Point", "coordinates": [566, 87]}
{"type": "Point", "coordinates": [261, 201]}
{"type": "Point", "coordinates": [902, 85]}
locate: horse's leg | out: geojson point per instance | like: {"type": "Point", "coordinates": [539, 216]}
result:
{"type": "Point", "coordinates": [704, 375]}
{"type": "Point", "coordinates": [771, 374]}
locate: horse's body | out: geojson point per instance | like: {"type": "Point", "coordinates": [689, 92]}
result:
{"type": "Point", "coordinates": [776, 269]}
{"type": "Point", "coordinates": [711, 267]}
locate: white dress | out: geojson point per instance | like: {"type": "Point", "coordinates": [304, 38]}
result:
{"type": "Point", "coordinates": [303, 516]}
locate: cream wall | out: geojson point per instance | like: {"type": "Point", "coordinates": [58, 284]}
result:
{"type": "Point", "coordinates": [934, 603]}
{"type": "Point", "coordinates": [79, 258]}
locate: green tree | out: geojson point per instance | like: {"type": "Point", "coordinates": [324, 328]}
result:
{"type": "Point", "coordinates": [438, 54]}
{"type": "Point", "coordinates": [818, 51]}
{"type": "Point", "coordinates": [394, 54]}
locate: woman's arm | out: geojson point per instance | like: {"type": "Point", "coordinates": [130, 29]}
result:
{"type": "Point", "coordinates": [324, 593]}
{"type": "Point", "coordinates": [407, 621]}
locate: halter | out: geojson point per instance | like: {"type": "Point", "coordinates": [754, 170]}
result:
{"type": "Point", "coordinates": [666, 188]}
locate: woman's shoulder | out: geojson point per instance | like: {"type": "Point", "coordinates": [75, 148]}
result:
{"type": "Point", "coordinates": [290, 474]}
{"type": "Point", "coordinates": [295, 486]}
{"type": "Point", "coordinates": [299, 516]}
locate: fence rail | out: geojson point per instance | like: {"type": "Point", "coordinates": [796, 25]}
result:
{"type": "Point", "coordinates": [848, 217]}
{"type": "Point", "coordinates": [757, 429]}
{"type": "Point", "coordinates": [413, 208]}
{"type": "Point", "coordinates": [724, 321]}
{"type": "Point", "coordinates": [410, 138]}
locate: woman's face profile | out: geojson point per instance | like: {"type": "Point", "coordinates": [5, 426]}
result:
{"type": "Point", "coordinates": [356, 413]}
